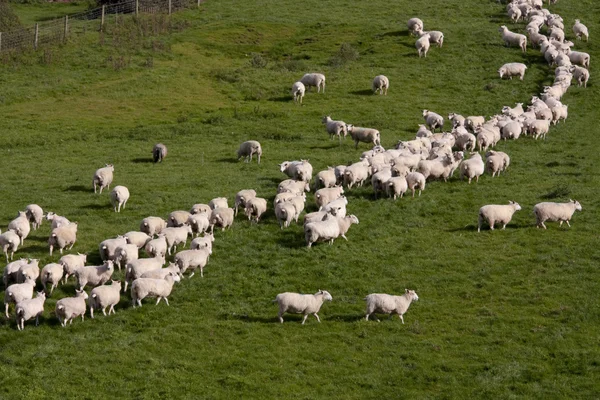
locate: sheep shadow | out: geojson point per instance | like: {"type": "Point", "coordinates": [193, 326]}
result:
{"type": "Point", "coordinates": [364, 92]}
{"type": "Point", "coordinates": [97, 206]}
{"type": "Point", "coordinates": [231, 160]}
{"type": "Point", "coordinates": [275, 181]}
{"type": "Point", "coordinates": [290, 239]}
{"type": "Point", "coordinates": [78, 188]}
{"type": "Point", "coordinates": [282, 99]}
{"type": "Point", "coordinates": [38, 248]}
{"type": "Point", "coordinates": [248, 318]}
{"type": "Point", "coordinates": [394, 33]}
{"type": "Point", "coordinates": [345, 317]}
{"type": "Point", "coordinates": [332, 145]}
{"type": "Point", "coordinates": [144, 160]}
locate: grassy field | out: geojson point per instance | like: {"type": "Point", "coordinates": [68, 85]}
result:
{"type": "Point", "coordinates": [503, 314]}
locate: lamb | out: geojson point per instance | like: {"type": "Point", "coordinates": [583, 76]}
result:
{"type": "Point", "coordinates": [51, 274]}
{"type": "Point", "coordinates": [242, 197]}
{"type": "Point", "coordinates": [325, 195]}
{"type": "Point", "coordinates": [152, 225]}
{"type": "Point", "coordinates": [326, 230]}
{"type": "Point", "coordinates": [192, 259]}
{"type": "Point", "coordinates": [579, 58]}
{"type": "Point", "coordinates": [105, 296]}
{"type": "Point", "coordinates": [436, 37]}
{"type": "Point", "coordinates": [200, 208]}
{"type": "Point", "coordinates": [293, 186]}
{"type": "Point", "coordinates": [472, 168]}
{"type": "Point", "coordinates": [62, 237]}
{"type": "Point", "coordinates": [221, 217]}
{"type": "Point", "coordinates": [326, 178]}
{"type": "Point", "coordinates": [119, 197]}
{"type": "Point", "coordinates": [414, 25]}
{"type": "Point", "coordinates": [336, 207]}
{"type": "Point", "coordinates": [103, 177]}
{"type": "Point", "coordinates": [12, 270]}
{"type": "Point", "coordinates": [580, 30]}
{"type": "Point", "coordinates": [136, 268]}
{"type": "Point", "coordinates": [381, 83]}
{"type": "Point", "coordinates": [203, 242]}
{"type": "Point", "coordinates": [511, 38]}
{"type": "Point", "coordinates": [561, 212]}
{"type": "Point", "coordinates": [305, 304]}
{"type": "Point", "coordinates": [94, 275]}
{"type": "Point", "coordinates": [35, 214]}
{"type": "Point", "coordinates": [156, 247]}
{"type": "Point", "coordinates": [314, 79]}
{"type": "Point", "coordinates": [422, 44]}
{"type": "Point", "coordinates": [199, 223]}
{"type": "Point", "coordinates": [415, 180]}
{"type": "Point", "coordinates": [512, 69]}
{"type": "Point", "coordinates": [161, 273]}
{"type": "Point", "coordinates": [126, 253]}
{"type": "Point", "coordinates": [10, 243]}
{"type": "Point", "coordinates": [389, 304]}
{"type": "Point", "coordinates": [250, 148]}
{"type": "Point", "coordinates": [144, 287]}
{"type": "Point", "coordinates": [57, 220]}
{"type": "Point", "coordinates": [27, 309]}
{"type": "Point", "coordinates": [396, 186]}
{"type": "Point", "coordinates": [335, 128]}
{"type": "Point", "coordinates": [356, 174]}
{"type": "Point", "coordinates": [497, 213]}
{"type": "Point", "coordinates": [18, 292]}
{"type": "Point", "coordinates": [218, 202]}
{"type": "Point", "coordinates": [176, 236]}
{"type": "Point", "coordinates": [285, 213]}
{"type": "Point", "coordinates": [70, 308]}
{"type": "Point", "coordinates": [255, 208]}
{"type": "Point", "coordinates": [71, 263]}
{"type": "Point", "coordinates": [365, 135]}
{"type": "Point", "coordinates": [298, 91]}
{"type": "Point", "coordinates": [379, 179]}
{"type": "Point", "coordinates": [20, 226]}
{"type": "Point", "coordinates": [581, 75]}
{"type": "Point", "coordinates": [433, 120]}
{"type": "Point", "coordinates": [178, 218]}
{"type": "Point", "coordinates": [159, 152]}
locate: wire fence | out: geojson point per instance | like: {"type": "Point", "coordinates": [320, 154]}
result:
{"type": "Point", "coordinates": [58, 30]}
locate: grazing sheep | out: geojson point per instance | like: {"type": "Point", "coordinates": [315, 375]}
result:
{"type": "Point", "coordinates": [433, 120]}
{"type": "Point", "coordinates": [222, 218]}
{"type": "Point", "coordinates": [156, 247]}
{"type": "Point", "coordinates": [326, 195]}
{"type": "Point", "coordinates": [436, 37]}
{"type": "Point", "coordinates": [126, 253]}
{"type": "Point", "coordinates": [52, 274]}
{"type": "Point", "coordinates": [9, 242]}
{"type": "Point", "coordinates": [535, 36]}
{"type": "Point", "coordinates": [178, 218]}
{"type": "Point", "coordinates": [495, 213]}
{"type": "Point", "coordinates": [105, 296]}
{"type": "Point", "coordinates": [152, 225]}
{"type": "Point", "coordinates": [176, 236]}
{"type": "Point", "coordinates": [250, 148]}
{"type": "Point", "coordinates": [20, 226]}
{"type": "Point", "coordinates": [580, 74]}
{"type": "Point", "coordinates": [320, 231]}
{"type": "Point", "coordinates": [35, 214]}
{"type": "Point", "coordinates": [200, 208]}
{"type": "Point", "coordinates": [199, 223]}
{"type": "Point", "coordinates": [381, 83]}
{"type": "Point", "coordinates": [422, 44]}
{"type": "Point", "coordinates": [556, 33]}
{"type": "Point", "coordinates": [561, 212]}
{"type": "Point", "coordinates": [27, 309]}
{"type": "Point", "coordinates": [472, 168]}
{"type": "Point", "coordinates": [579, 58]}
{"type": "Point", "coordinates": [57, 220]}
{"type": "Point", "coordinates": [18, 292]}
{"type": "Point", "coordinates": [218, 202]}
{"type": "Point", "coordinates": [580, 30]}
{"type": "Point", "coordinates": [103, 177]}
{"type": "Point", "coordinates": [31, 270]}
{"type": "Point", "coordinates": [414, 25]}
{"type": "Point", "coordinates": [512, 69]}
{"type": "Point", "coordinates": [335, 128]}
{"type": "Point", "coordinates": [285, 212]}
{"type": "Point", "coordinates": [94, 275]}
{"type": "Point", "coordinates": [71, 263]}
{"type": "Point", "coordinates": [396, 186]}
{"type": "Point", "coordinates": [136, 268]}
{"type": "Point", "coordinates": [12, 270]}
{"type": "Point", "coordinates": [147, 287]}
{"type": "Point", "coordinates": [204, 242]}
{"type": "Point", "coordinates": [69, 308]}
{"type": "Point", "coordinates": [255, 208]}
{"type": "Point", "coordinates": [389, 304]}
{"type": "Point", "coordinates": [192, 259]}
{"type": "Point", "coordinates": [298, 91]}
{"type": "Point", "coordinates": [365, 135]}
{"type": "Point", "coordinates": [511, 38]}
{"type": "Point", "coordinates": [242, 197]}
{"type": "Point", "coordinates": [314, 79]}
{"type": "Point", "coordinates": [304, 304]}
{"type": "Point", "coordinates": [159, 152]}
{"type": "Point", "coordinates": [119, 197]}
{"type": "Point", "coordinates": [415, 180]}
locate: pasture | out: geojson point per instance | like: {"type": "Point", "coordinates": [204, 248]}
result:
{"type": "Point", "coordinates": [501, 314]}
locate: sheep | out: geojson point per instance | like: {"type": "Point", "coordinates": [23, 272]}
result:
{"type": "Point", "coordinates": [396, 186]}
{"type": "Point", "coordinates": [512, 130]}
{"type": "Point", "coordinates": [561, 212]}
{"type": "Point", "coordinates": [94, 275]}
{"type": "Point", "coordinates": [107, 247]}
{"type": "Point", "coordinates": [161, 273]}
{"type": "Point", "coordinates": [152, 225]}
{"type": "Point", "coordinates": [512, 69]}
{"type": "Point", "coordinates": [156, 247]}
{"type": "Point", "coordinates": [316, 216]}
{"type": "Point", "coordinates": [356, 174]}
{"type": "Point", "coordinates": [298, 202]}
{"type": "Point", "coordinates": [136, 268]}
{"type": "Point", "coordinates": [339, 174]}
{"type": "Point", "coordinates": [20, 226]}
{"type": "Point", "coordinates": [35, 214]}
{"type": "Point", "coordinates": [57, 220]}
{"type": "Point", "coordinates": [200, 208]}
{"type": "Point", "coordinates": [298, 170]}
{"type": "Point", "coordinates": [494, 163]}
{"type": "Point", "coordinates": [18, 292]}
{"type": "Point", "coordinates": [511, 38]}
{"type": "Point", "coordinates": [326, 230]}
{"type": "Point", "coordinates": [381, 83]}
{"type": "Point", "coordinates": [415, 180]}
{"type": "Point", "coordinates": [30, 270]}
{"type": "Point", "coordinates": [325, 195]}
{"type": "Point", "coordinates": [560, 112]}
{"type": "Point", "coordinates": [439, 168]}
{"type": "Point", "coordinates": [221, 217]}
{"type": "Point", "coordinates": [379, 179]}
{"type": "Point", "coordinates": [414, 25]}
{"type": "Point", "coordinates": [422, 44]}
{"type": "Point", "coordinates": [304, 304]}
{"type": "Point", "coordinates": [485, 139]}
{"type": "Point", "coordinates": [119, 197]}
{"type": "Point", "coordinates": [12, 270]}
{"type": "Point", "coordinates": [436, 37]}
{"type": "Point", "coordinates": [433, 120]}
{"type": "Point", "coordinates": [326, 178]}
{"type": "Point", "coordinates": [389, 304]}
{"type": "Point", "coordinates": [51, 273]}
{"type": "Point", "coordinates": [62, 237]}
{"type": "Point", "coordinates": [159, 152]}
{"type": "Point", "coordinates": [69, 308]}
{"type": "Point", "coordinates": [513, 112]}
{"type": "Point", "coordinates": [199, 223]}
{"type": "Point", "coordinates": [126, 253]}
{"type": "Point", "coordinates": [408, 161]}
{"type": "Point", "coordinates": [293, 186]}
{"type": "Point", "coordinates": [539, 128]}
{"type": "Point", "coordinates": [336, 207]}
{"type": "Point", "coordinates": [176, 236]}
{"type": "Point", "coordinates": [335, 128]}
{"type": "Point", "coordinates": [493, 213]}
{"type": "Point", "coordinates": [514, 13]}
{"type": "Point", "coordinates": [472, 168]}
{"type": "Point", "coordinates": [144, 287]}
{"type": "Point", "coordinates": [579, 58]}
{"type": "Point", "coordinates": [365, 135]}
{"type": "Point", "coordinates": [314, 79]}
{"type": "Point", "coordinates": [29, 308]}
{"type": "Point", "coordinates": [285, 212]}
{"type": "Point", "coordinates": [250, 148]}
{"type": "Point", "coordinates": [218, 202]}
{"type": "Point", "coordinates": [242, 197]}
{"type": "Point", "coordinates": [465, 141]}
{"type": "Point", "coordinates": [580, 74]}
{"type": "Point", "coordinates": [178, 218]}
{"type": "Point", "coordinates": [298, 91]}
{"type": "Point", "coordinates": [192, 259]}
{"type": "Point", "coordinates": [580, 30]}
{"type": "Point", "coordinates": [105, 296]}
{"type": "Point", "coordinates": [203, 242]}
{"type": "Point", "coordinates": [71, 263]}
{"type": "Point", "coordinates": [534, 36]}
{"type": "Point", "coordinates": [556, 33]}
{"type": "Point", "coordinates": [255, 208]}
{"type": "Point", "coordinates": [281, 197]}
{"type": "Point", "coordinates": [103, 177]}
{"type": "Point", "coordinates": [10, 243]}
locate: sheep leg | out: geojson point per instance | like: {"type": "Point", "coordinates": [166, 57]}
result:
{"type": "Point", "coordinates": [112, 309]}
{"type": "Point", "coordinates": [567, 221]}
{"type": "Point", "coordinates": [280, 317]}
{"type": "Point", "coordinates": [401, 318]}
{"type": "Point", "coordinates": [344, 236]}
{"type": "Point", "coordinates": [6, 310]}
{"type": "Point", "coordinates": [139, 301]}
{"type": "Point", "coordinates": [166, 300]}
{"type": "Point", "coordinates": [560, 223]}
{"type": "Point", "coordinates": [317, 316]}
{"type": "Point", "coordinates": [304, 319]}
{"type": "Point", "coordinates": [158, 300]}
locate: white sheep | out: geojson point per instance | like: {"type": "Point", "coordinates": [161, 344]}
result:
{"type": "Point", "coordinates": [336, 207]}
{"type": "Point", "coordinates": [474, 121]}
{"type": "Point", "coordinates": [356, 174]}
{"type": "Point", "coordinates": [560, 112]}
{"type": "Point", "coordinates": [326, 178]}
{"type": "Point", "coordinates": [556, 33]}
{"type": "Point", "coordinates": [179, 235]}
{"type": "Point", "coordinates": [205, 241]}
{"type": "Point", "coordinates": [9, 241]}
{"type": "Point", "coordinates": [581, 75]}
{"type": "Point", "coordinates": [285, 213]}
{"type": "Point", "coordinates": [494, 163]}
{"type": "Point", "coordinates": [389, 304]}
{"type": "Point", "coordinates": [152, 225]}
{"type": "Point", "coordinates": [414, 25]}
{"type": "Point", "coordinates": [422, 44]}
{"type": "Point", "coordinates": [326, 195]}
{"type": "Point", "coordinates": [242, 197]}
{"type": "Point", "coordinates": [71, 263]}
{"type": "Point", "coordinates": [305, 304]}
{"type": "Point", "coordinates": [51, 274]}
{"type": "Point", "coordinates": [20, 226]}
{"type": "Point", "coordinates": [94, 275]}
{"type": "Point", "coordinates": [161, 273]}
{"type": "Point", "coordinates": [396, 186]}
{"type": "Point", "coordinates": [298, 90]}
{"type": "Point", "coordinates": [326, 230]}
{"type": "Point", "coordinates": [381, 83]}
{"type": "Point", "coordinates": [436, 37]}
{"type": "Point", "coordinates": [178, 218]}
{"type": "Point", "coordinates": [335, 128]}
{"type": "Point", "coordinates": [314, 79]}
{"type": "Point", "coordinates": [511, 38]}
{"type": "Point", "coordinates": [222, 218]}
{"type": "Point", "coordinates": [200, 208]}
{"type": "Point", "coordinates": [18, 292]}
{"type": "Point", "coordinates": [539, 128]}
{"type": "Point", "coordinates": [27, 309]}
{"type": "Point", "coordinates": [255, 208]}
{"type": "Point", "coordinates": [302, 171]}
{"type": "Point", "coordinates": [35, 214]}
{"type": "Point", "coordinates": [159, 152]}
{"type": "Point", "coordinates": [415, 180]}
{"type": "Point", "coordinates": [579, 58]}
{"type": "Point", "coordinates": [472, 168]}
{"type": "Point", "coordinates": [30, 270]}
{"type": "Point", "coordinates": [192, 259]}
{"type": "Point", "coordinates": [119, 197]}
{"type": "Point", "coordinates": [512, 130]}
{"type": "Point", "coordinates": [199, 223]}
{"type": "Point", "coordinates": [147, 287]}
{"type": "Point", "coordinates": [103, 177]}
{"type": "Point", "coordinates": [57, 220]}
{"type": "Point", "coordinates": [62, 237]}
{"type": "Point", "coordinates": [136, 268]}
{"type": "Point", "coordinates": [218, 202]}
{"type": "Point", "coordinates": [345, 223]}
{"type": "Point", "coordinates": [443, 167]}
{"type": "Point", "coordinates": [69, 308]}
{"type": "Point", "coordinates": [433, 120]}
{"type": "Point", "coordinates": [315, 216]}
{"type": "Point", "coordinates": [107, 247]}
{"type": "Point", "coordinates": [293, 186]}
{"type": "Point", "coordinates": [561, 212]}
{"type": "Point", "coordinates": [512, 69]}
{"type": "Point", "coordinates": [580, 30]}
{"type": "Point", "coordinates": [105, 296]}
{"type": "Point", "coordinates": [496, 213]}
{"type": "Point", "coordinates": [365, 135]}
{"type": "Point", "coordinates": [379, 179]}
{"type": "Point", "coordinates": [156, 247]}
{"type": "Point", "coordinates": [125, 254]}
{"type": "Point", "coordinates": [250, 148]}
{"type": "Point", "coordinates": [11, 271]}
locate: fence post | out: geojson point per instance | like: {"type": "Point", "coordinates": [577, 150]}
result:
{"type": "Point", "coordinates": [137, 7]}
{"type": "Point", "coordinates": [170, 3]}
{"type": "Point", "coordinates": [199, 1]}
{"type": "Point", "coordinates": [35, 38]}
{"type": "Point", "coordinates": [102, 19]}
{"type": "Point", "coordinates": [66, 27]}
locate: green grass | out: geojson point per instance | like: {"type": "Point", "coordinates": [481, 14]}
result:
{"type": "Point", "coordinates": [30, 13]}
{"type": "Point", "coordinates": [502, 314]}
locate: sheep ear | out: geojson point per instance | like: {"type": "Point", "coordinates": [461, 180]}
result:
{"type": "Point", "coordinates": [511, 202]}
{"type": "Point", "coordinates": [571, 200]}
{"type": "Point", "coordinates": [406, 290]}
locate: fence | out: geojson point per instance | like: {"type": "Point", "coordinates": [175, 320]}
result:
{"type": "Point", "coordinates": [58, 30]}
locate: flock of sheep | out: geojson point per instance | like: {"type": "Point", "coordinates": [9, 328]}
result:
{"type": "Point", "coordinates": [393, 172]}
